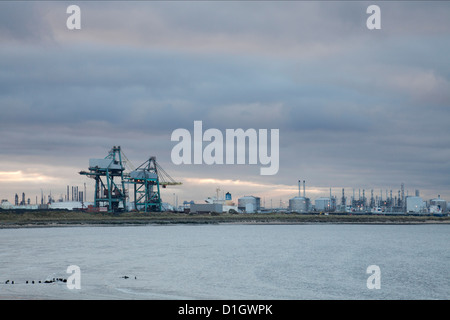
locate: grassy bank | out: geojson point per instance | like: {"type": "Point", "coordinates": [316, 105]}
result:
{"type": "Point", "coordinates": [17, 218]}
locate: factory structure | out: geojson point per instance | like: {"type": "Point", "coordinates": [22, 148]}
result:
{"type": "Point", "coordinates": [72, 200]}
{"type": "Point", "coordinates": [376, 204]}
{"type": "Point", "coordinates": [111, 188]}
{"type": "Point", "coordinates": [300, 204]}
{"type": "Point", "coordinates": [361, 204]}
{"type": "Point", "coordinates": [120, 189]}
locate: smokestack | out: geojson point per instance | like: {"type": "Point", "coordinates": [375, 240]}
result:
{"type": "Point", "coordinates": [304, 189]}
{"type": "Point", "coordinates": [299, 187]}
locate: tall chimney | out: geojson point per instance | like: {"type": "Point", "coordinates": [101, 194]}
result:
{"type": "Point", "coordinates": [299, 187]}
{"type": "Point", "coordinates": [304, 191]}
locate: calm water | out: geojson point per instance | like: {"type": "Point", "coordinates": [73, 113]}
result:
{"type": "Point", "coordinates": [228, 262]}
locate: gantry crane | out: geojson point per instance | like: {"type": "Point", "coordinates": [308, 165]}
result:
{"type": "Point", "coordinates": [108, 192]}
{"type": "Point", "coordinates": [146, 180]}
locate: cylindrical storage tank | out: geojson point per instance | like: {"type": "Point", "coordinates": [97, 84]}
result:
{"type": "Point", "coordinates": [299, 204]}
{"type": "Point", "coordinates": [249, 204]}
{"type": "Point", "coordinates": [440, 203]}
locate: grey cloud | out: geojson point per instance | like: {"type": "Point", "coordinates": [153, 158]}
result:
{"type": "Point", "coordinates": [353, 107]}
{"type": "Point", "coordinates": [23, 21]}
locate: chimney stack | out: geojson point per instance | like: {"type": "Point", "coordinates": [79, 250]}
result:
{"type": "Point", "coordinates": [304, 190]}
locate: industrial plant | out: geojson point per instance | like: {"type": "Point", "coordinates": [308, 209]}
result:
{"type": "Point", "coordinates": [376, 204]}
{"type": "Point", "coordinates": [121, 189]}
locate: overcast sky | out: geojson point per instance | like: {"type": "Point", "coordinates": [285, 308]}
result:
{"type": "Point", "coordinates": [356, 108]}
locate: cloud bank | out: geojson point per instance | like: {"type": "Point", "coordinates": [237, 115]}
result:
{"type": "Point", "coordinates": [355, 108]}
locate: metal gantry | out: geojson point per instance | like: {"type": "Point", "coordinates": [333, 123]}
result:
{"type": "Point", "coordinates": [147, 196]}
{"type": "Point", "coordinates": [108, 192]}
{"type": "Point", "coordinates": [146, 180]}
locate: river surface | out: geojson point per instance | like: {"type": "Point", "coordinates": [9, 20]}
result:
{"type": "Point", "coordinates": [311, 261]}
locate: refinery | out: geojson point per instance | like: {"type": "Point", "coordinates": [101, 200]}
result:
{"type": "Point", "coordinates": [117, 189]}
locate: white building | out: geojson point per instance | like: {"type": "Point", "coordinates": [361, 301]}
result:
{"type": "Point", "coordinates": [415, 205]}
{"type": "Point", "coordinates": [69, 205]}
{"type": "Point", "coordinates": [325, 204]}
{"type": "Point", "coordinates": [206, 207]}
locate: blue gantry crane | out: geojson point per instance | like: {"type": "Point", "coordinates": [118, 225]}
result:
{"type": "Point", "coordinates": [147, 180]}
{"type": "Point", "coordinates": [110, 180]}
{"type": "Point", "coordinates": [108, 174]}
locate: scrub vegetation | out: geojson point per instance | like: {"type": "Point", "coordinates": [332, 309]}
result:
{"type": "Point", "coordinates": [21, 218]}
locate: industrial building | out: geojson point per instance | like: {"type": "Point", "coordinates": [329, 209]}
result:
{"type": "Point", "coordinates": [226, 201]}
{"type": "Point", "coordinates": [215, 203]}
{"type": "Point", "coordinates": [325, 204]}
{"type": "Point", "coordinates": [249, 204]}
{"type": "Point", "coordinates": [138, 189]}
{"type": "Point", "coordinates": [206, 208]}
{"type": "Point", "coordinates": [69, 205]}
{"type": "Point", "coordinates": [440, 204]}
{"type": "Point", "coordinates": [415, 205]}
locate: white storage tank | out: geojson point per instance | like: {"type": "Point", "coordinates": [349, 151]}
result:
{"type": "Point", "coordinates": [6, 204]}
{"type": "Point", "coordinates": [249, 204]}
{"type": "Point", "coordinates": [299, 204]}
{"type": "Point", "coordinates": [440, 203]}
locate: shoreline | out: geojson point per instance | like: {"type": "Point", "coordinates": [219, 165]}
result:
{"type": "Point", "coordinates": [10, 220]}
